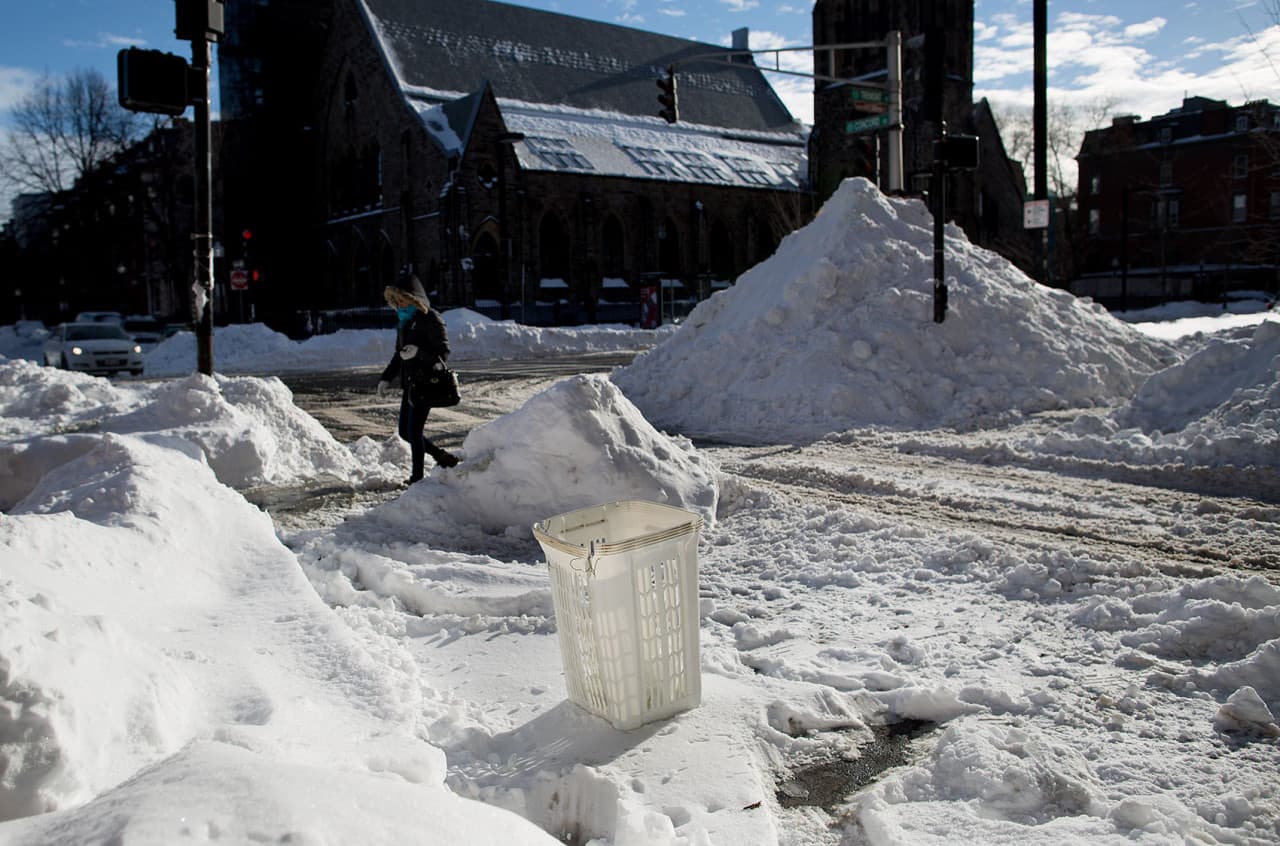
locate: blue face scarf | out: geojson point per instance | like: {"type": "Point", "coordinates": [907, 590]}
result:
{"type": "Point", "coordinates": [404, 313]}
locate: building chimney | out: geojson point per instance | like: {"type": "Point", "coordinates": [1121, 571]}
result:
{"type": "Point", "coordinates": [742, 41]}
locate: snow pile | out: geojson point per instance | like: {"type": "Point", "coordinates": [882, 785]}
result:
{"type": "Point", "coordinates": [24, 339]}
{"type": "Point", "coordinates": [835, 331]}
{"type": "Point", "coordinates": [577, 443]}
{"type": "Point", "coordinates": [1219, 407]}
{"type": "Point", "coordinates": [1007, 785]}
{"type": "Point", "coordinates": [473, 335]}
{"type": "Point", "coordinates": [183, 680]}
{"type": "Point", "coordinates": [255, 348]}
{"type": "Point", "coordinates": [580, 442]}
{"type": "Point", "coordinates": [247, 429]}
{"type": "Point", "coordinates": [1235, 622]}
{"type": "Point", "coordinates": [36, 399]}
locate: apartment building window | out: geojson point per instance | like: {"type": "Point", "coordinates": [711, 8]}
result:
{"type": "Point", "coordinates": [1240, 166]}
{"type": "Point", "coordinates": [1242, 123]}
{"type": "Point", "coordinates": [1166, 173]}
{"type": "Point", "coordinates": [1174, 212]}
{"type": "Point", "coordinates": [1095, 221]}
{"type": "Point", "coordinates": [1095, 185]}
{"type": "Point", "coordinates": [1166, 134]}
{"type": "Point", "coordinates": [1239, 207]}
{"type": "Point", "coordinates": [1275, 205]}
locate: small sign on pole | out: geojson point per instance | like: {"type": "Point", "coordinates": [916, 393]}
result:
{"type": "Point", "coordinates": [1035, 214]}
{"type": "Point", "coordinates": [239, 279]}
{"type": "Point", "coordinates": [869, 95]}
{"type": "Point", "coordinates": [867, 124]}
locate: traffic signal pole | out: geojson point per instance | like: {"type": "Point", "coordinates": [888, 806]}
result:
{"type": "Point", "coordinates": [202, 236]}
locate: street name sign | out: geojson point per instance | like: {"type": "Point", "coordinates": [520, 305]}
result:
{"type": "Point", "coordinates": [867, 124]}
{"type": "Point", "coordinates": [869, 95]}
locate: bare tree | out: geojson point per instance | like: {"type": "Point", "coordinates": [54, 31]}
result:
{"type": "Point", "coordinates": [62, 130]}
{"type": "Point", "coordinates": [1066, 126]}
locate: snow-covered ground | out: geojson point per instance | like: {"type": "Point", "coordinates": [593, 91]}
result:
{"type": "Point", "coordinates": [1011, 579]}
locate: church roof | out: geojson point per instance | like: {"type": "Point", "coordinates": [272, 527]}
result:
{"type": "Point", "coordinates": [451, 47]}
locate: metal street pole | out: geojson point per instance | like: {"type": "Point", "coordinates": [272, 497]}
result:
{"type": "Point", "coordinates": [939, 225]}
{"type": "Point", "coordinates": [893, 45]}
{"type": "Point", "coordinates": [201, 51]}
{"type": "Point", "coordinates": [1040, 122]}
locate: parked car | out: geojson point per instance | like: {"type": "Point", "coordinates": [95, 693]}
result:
{"type": "Point", "coordinates": [146, 330]}
{"type": "Point", "coordinates": [93, 348]}
{"type": "Point", "coordinates": [100, 317]}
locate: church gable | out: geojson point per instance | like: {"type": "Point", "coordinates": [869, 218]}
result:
{"type": "Point", "coordinates": [440, 49]}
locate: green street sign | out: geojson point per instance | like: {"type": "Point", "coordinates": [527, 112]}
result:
{"type": "Point", "coordinates": [869, 95]}
{"type": "Point", "coordinates": [867, 124]}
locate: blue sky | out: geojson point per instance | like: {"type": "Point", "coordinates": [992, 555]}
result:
{"type": "Point", "coordinates": [1137, 57]}
{"type": "Point", "coordinates": [1142, 54]}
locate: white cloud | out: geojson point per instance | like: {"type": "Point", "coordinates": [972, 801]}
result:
{"type": "Point", "coordinates": [792, 10]}
{"type": "Point", "coordinates": [672, 13]}
{"type": "Point", "coordinates": [106, 40]}
{"type": "Point", "coordinates": [1144, 29]}
{"type": "Point", "coordinates": [740, 5]}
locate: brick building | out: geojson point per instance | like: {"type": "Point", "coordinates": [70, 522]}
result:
{"type": "Point", "coordinates": [119, 239]}
{"type": "Point", "coordinates": [513, 156]}
{"type": "Point", "coordinates": [1184, 205]}
{"type": "Point", "coordinates": [938, 44]}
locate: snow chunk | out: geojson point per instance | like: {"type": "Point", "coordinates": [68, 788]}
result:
{"type": "Point", "coordinates": [578, 443]}
{"type": "Point", "coordinates": [1244, 711]}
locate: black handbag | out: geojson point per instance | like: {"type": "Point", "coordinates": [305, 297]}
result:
{"type": "Point", "coordinates": [435, 387]}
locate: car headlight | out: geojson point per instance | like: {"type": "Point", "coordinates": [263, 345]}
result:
{"type": "Point", "coordinates": [137, 348]}
{"type": "Point", "coordinates": [77, 351]}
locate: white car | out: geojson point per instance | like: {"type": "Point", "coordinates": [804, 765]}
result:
{"type": "Point", "coordinates": [93, 348]}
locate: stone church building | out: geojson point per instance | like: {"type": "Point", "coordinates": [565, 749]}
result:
{"type": "Point", "coordinates": [513, 157]}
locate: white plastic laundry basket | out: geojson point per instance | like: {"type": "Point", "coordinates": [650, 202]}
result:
{"type": "Point", "coordinates": [624, 583]}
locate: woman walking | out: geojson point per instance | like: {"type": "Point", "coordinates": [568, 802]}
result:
{"type": "Point", "coordinates": [421, 345]}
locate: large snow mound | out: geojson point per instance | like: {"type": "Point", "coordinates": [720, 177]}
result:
{"type": "Point", "coordinates": [181, 678]}
{"type": "Point", "coordinates": [835, 331]}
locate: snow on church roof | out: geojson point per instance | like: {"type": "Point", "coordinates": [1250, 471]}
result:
{"type": "Point", "coordinates": [583, 111]}
{"type": "Point", "coordinates": [629, 148]}
{"type": "Point", "coordinates": [537, 56]}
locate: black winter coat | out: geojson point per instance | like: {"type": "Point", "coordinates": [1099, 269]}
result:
{"type": "Point", "coordinates": [426, 331]}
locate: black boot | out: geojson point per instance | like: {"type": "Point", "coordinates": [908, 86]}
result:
{"type": "Point", "coordinates": [442, 457]}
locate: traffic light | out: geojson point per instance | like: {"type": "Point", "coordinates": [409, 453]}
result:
{"type": "Point", "coordinates": [670, 111]}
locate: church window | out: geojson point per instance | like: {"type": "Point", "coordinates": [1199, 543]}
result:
{"type": "Point", "coordinates": [651, 161]}
{"type": "Point", "coordinates": [557, 153]}
{"type": "Point", "coordinates": [700, 166]}
{"type": "Point", "coordinates": [747, 170]}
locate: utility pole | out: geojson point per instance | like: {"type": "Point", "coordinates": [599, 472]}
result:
{"type": "Point", "coordinates": [202, 237]}
{"type": "Point", "coordinates": [162, 83]}
{"type": "Point", "coordinates": [1040, 122]}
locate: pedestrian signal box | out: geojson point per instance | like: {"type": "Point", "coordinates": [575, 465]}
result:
{"type": "Point", "coordinates": [152, 81]}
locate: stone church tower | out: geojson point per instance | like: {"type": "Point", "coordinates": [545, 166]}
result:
{"type": "Point", "coordinates": [934, 32]}
{"type": "Point", "coordinates": [937, 85]}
